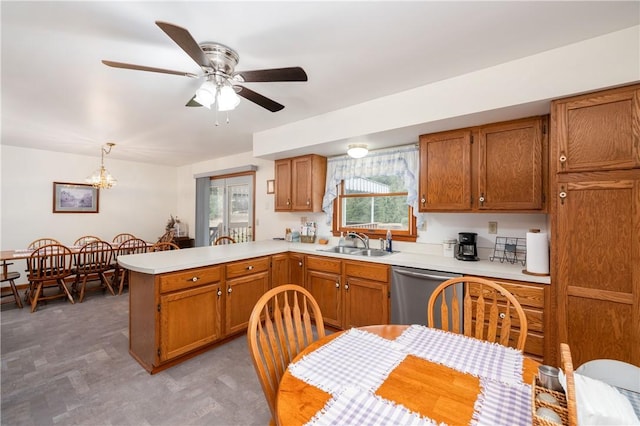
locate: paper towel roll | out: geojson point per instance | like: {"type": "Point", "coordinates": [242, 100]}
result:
{"type": "Point", "coordinates": [537, 253]}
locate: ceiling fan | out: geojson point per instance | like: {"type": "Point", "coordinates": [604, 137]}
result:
{"type": "Point", "coordinates": [222, 83]}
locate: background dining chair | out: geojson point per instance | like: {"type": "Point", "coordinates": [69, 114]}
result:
{"type": "Point", "coordinates": [11, 278]}
{"type": "Point", "coordinates": [167, 236]}
{"type": "Point", "coordinates": [613, 372]}
{"type": "Point", "coordinates": [224, 240]}
{"type": "Point", "coordinates": [121, 238]}
{"type": "Point", "coordinates": [163, 246]}
{"type": "Point", "coordinates": [567, 368]}
{"type": "Point", "coordinates": [93, 260]}
{"type": "Point", "coordinates": [42, 242]}
{"type": "Point", "coordinates": [32, 246]}
{"type": "Point", "coordinates": [489, 316]}
{"type": "Point", "coordinates": [49, 264]}
{"type": "Point", "coordinates": [132, 246]}
{"type": "Point", "coordinates": [279, 328]}
{"type": "Point", "coordinates": [84, 240]}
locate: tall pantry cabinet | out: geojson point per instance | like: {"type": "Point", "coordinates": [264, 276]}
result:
{"type": "Point", "coordinates": [595, 214]}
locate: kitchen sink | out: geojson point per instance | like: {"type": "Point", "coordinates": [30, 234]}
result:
{"type": "Point", "coordinates": [342, 250]}
{"type": "Point", "coordinates": [356, 251]}
{"type": "Point", "coordinates": [372, 252]}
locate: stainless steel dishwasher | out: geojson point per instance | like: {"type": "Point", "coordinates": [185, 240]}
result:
{"type": "Point", "coordinates": [410, 292]}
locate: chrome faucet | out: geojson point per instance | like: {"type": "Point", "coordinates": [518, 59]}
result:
{"type": "Point", "coordinates": [362, 237]}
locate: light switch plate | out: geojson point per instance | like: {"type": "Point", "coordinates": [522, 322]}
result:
{"type": "Point", "coordinates": [493, 227]}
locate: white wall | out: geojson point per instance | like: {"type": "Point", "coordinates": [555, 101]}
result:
{"type": "Point", "coordinates": [140, 203]}
{"type": "Point", "coordinates": [609, 60]}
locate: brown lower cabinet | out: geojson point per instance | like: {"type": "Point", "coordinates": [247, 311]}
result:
{"type": "Point", "coordinates": [532, 297]}
{"type": "Point", "coordinates": [349, 293]}
{"type": "Point", "coordinates": [177, 315]}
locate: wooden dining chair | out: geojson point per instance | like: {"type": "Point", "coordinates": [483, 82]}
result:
{"type": "Point", "coordinates": [167, 236]}
{"type": "Point", "coordinates": [52, 263]}
{"type": "Point", "coordinates": [84, 240]}
{"type": "Point", "coordinates": [489, 311]}
{"type": "Point", "coordinates": [93, 260]}
{"type": "Point", "coordinates": [279, 328]}
{"type": "Point", "coordinates": [567, 367]}
{"type": "Point", "coordinates": [121, 238]}
{"type": "Point", "coordinates": [164, 246]}
{"type": "Point", "coordinates": [42, 242]}
{"type": "Point", "coordinates": [224, 240]}
{"type": "Point", "coordinates": [132, 246]}
{"type": "Point", "coordinates": [10, 277]}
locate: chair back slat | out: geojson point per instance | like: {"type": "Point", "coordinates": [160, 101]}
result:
{"type": "Point", "coordinates": [279, 328]}
{"type": "Point", "coordinates": [42, 242]}
{"type": "Point", "coordinates": [84, 240]}
{"type": "Point", "coordinates": [164, 246]}
{"type": "Point", "coordinates": [567, 367]}
{"type": "Point", "coordinates": [489, 311]}
{"type": "Point", "coordinates": [121, 238]}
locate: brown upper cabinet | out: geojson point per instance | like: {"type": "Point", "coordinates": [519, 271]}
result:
{"type": "Point", "coordinates": [598, 131]}
{"type": "Point", "coordinates": [300, 183]}
{"type": "Point", "coordinates": [494, 167]}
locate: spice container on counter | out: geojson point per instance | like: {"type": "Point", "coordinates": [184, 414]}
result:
{"type": "Point", "coordinates": [448, 247]}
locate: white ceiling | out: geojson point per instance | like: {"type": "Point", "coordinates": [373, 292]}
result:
{"type": "Point", "coordinates": [57, 95]}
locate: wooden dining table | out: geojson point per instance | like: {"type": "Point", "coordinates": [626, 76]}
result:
{"type": "Point", "coordinates": [427, 388]}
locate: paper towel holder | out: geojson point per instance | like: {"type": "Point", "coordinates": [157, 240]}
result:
{"type": "Point", "coordinates": [536, 274]}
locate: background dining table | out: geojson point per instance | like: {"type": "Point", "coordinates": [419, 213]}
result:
{"type": "Point", "coordinates": [427, 388]}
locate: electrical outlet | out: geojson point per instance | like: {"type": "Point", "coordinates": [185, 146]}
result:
{"type": "Point", "coordinates": [493, 227]}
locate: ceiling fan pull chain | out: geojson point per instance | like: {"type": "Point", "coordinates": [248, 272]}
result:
{"type": "Point", "coordinates": [216, 112]}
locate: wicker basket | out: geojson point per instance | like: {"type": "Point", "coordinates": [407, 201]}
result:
{"type": "Point", "coordinates": [561, 409]}
{"type": "Point", "coordinates": [307, 238]}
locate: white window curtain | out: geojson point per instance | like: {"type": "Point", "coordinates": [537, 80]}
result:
{"type": "Point", "coordinates": [399, 161]}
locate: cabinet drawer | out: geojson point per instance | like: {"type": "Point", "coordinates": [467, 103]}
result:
{"type": "Point", "coordinates": [324, 264]}
{"type": "Point", "coordinates": [246, 267]}
{"type": "Point", "coordinates": [367, 270]}
{"type": "Point", "coordinates": [531, 295]}
{"type": "Point", "coordinates": [191, 278]}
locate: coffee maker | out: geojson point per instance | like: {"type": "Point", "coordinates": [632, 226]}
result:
{"type": "Point", "coordinates": [466, 248]}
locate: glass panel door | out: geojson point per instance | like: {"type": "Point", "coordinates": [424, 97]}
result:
{"type": "Point", "coordinates": [231, 208]}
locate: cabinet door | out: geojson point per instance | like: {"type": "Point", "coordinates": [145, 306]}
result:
{"type": "Point", "coordinates": [242, 295]}
{"type": "Point", "coordinates": [296, 268]}
{"type": "Point", "coordinates": [326, 288]}
{"type": "Point", "coordinates": [598, 265]}
{"type": "Point", "coordinates": [280, 270]}
{"type": "Point", "coordinates": [599, 131]}
{"type": "Point", "coordinates": [283, 185]}
{"type": "Point", "coordinates": [189, 319]}
{"type": "Point", "coordinates": [510, 165]}
{"type": "Point", "coordinates": [445, 171]}
{"type": "Point", "coordinates": [366, 302]}
{"type": "Point", "coordinates": [301, 174]}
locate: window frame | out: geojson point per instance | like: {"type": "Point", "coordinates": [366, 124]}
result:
{"type": "Point", "coordinates": [410, 235]}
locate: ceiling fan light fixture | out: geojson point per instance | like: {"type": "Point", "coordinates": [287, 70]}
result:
{"type": "Point", "coordinates": [228, 99]}
{"type": "Point", "coordinates": [357, 150]}
{"type": "Point", "coordinates": [206, 94]}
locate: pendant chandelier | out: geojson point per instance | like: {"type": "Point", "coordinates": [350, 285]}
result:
{"type": "Point", "coordinates": [101, 178]}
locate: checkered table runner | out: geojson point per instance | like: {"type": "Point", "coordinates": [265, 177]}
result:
{"type": "Point", "coordinates": [634, 399]}
{"type": "Point", "coordinates": [472, 356]}
{"type": "Point", "coordinates": [354, 406]}
{"type": "Point", "coordinates": [500, 404]}
{"type": "Point", "coordinates": [355, 357]}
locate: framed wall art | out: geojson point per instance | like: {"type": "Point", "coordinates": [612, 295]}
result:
{"type": "Point", "coordinates": [271, 186]}
{"type": "Point", "coordinates": [75, 198]}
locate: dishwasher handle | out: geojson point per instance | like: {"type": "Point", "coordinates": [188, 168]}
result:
{"type": "Point", "coordinates": [420, 275]}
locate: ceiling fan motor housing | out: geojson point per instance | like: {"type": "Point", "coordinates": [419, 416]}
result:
{"type": "Point", "coordinates": [223, 59]}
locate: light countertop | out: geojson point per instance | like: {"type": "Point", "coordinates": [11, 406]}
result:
{"type": "Point", "coordinates": [176, 260]}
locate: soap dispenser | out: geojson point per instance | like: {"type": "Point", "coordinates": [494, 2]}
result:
{"type": "Point", "coordinates": [341, 241]}
{"type": "Point", "coordinates": [389, 248]}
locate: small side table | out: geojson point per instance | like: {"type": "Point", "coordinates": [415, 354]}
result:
{"type": "Point", "coordinates": [184, 242]}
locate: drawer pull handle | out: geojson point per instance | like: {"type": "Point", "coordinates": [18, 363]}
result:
{"type": "Point", "coordinates": [194, 279]}
{"type": "Point", "coordinates": [249, 268]}
{"type": "Point", "coordinates": [502, 315]}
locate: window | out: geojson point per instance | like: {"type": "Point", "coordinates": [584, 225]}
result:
{"type": "Point", "coordinates": [225, 203]}
{"type": "Point", "coordinates": [373, 194]}
{"type": "Point", "coordinates": [372, 206]}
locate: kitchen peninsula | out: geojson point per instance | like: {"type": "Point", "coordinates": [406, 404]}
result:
{"type": "Point", "coordinates": [182, 302]}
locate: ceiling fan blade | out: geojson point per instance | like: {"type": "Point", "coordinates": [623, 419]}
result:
{"type": "Point", "coordinates": [274, 74]}
{"type": "Point", "coordinates": [183, 38]}
{"type": "Point", "coordinates": [143, 68]}
{"type": "Point", "coordinates": [259, 99]}
{"type": "Point", "coordinates": [192, 102]}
